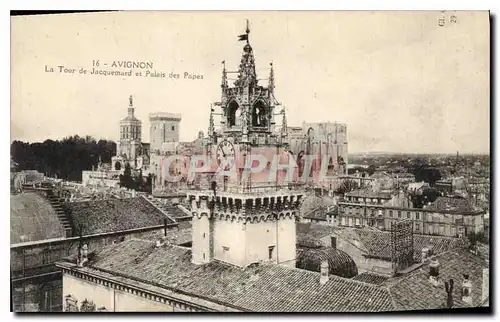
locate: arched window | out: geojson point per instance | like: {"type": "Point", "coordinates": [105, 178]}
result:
{"type": "Point", "coordinates": [118, 166]}
{"type": "Point", "coordinates": [310, 133]}
{"type": "Point", "coordinates": [259, 114]}
{"type": "Point", "coordinates": [232, 113]}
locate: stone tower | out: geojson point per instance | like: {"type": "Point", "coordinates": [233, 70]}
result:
{"type": "Point", "coordinates": [164, 128]}
{"type": "Point", "coordinates": [129, 145]}
{"type": "Point", "coordinates": [248, 217]}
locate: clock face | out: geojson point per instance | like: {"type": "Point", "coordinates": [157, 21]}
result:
{"type": "Point", "coordinates": [225, 151]}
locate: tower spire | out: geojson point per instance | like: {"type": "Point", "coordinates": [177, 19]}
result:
{"type": "Point", "coordinates": [247, 30]}
{"type": "Point", "coordinates": [284, 125]}
{"type": "Point", "coordinates": [271, 79]}
{"type": "Point", "coordinates": [130, 106]}
{"type": "Point", "coordinates": [211, 122]}
{"type": "Point", "coordinates": [224, 75]}
{"type": "Point", "coordinates": [246, 73]}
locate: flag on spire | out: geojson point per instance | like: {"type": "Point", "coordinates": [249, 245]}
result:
{"type": "Point", "coordinates": [245, 36]}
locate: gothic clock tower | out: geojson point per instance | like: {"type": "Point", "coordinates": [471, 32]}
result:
{"type": "Point", "coordinates": [249, 217]}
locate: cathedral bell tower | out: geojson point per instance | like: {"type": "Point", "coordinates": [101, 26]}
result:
{"type": "Point", "coordinates": [128, 148]}
{"type": "Point", "coordinates": [250, 218]}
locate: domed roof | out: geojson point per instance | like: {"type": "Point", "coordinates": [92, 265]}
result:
{"type": "Point", "coordinates": [339, 263]}
{"type": "Point", "coordinates": [130, 119]}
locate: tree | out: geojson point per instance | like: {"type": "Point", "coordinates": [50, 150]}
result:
{"type": "Point", "coordinates": [428, 195]}
{"type": "Point", "coordinates": [371, 169]}
{"type": "Point", "coordinates": [65, 158]}
{"type": "Point", "coordinates": [126, 179]}
{"type": "Point", "coordinates": [427, 174]}
{"type": "Point", "coordinates": [347, 186]}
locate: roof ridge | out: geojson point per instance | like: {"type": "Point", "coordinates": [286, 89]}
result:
{"type": "Point", "coordinates": [330, 276]}
{"type": "Point", "coordinates": [393, 301]}
{"type": "Point", "coordinates": [104, 199]}
{"type": "Point", "coordinates": [417, 270]}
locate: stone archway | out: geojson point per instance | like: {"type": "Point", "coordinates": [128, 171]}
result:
{"type": "Point", "coordinates": [259, 114]}
{"type": "Point", "coordinates": [118, 166]}
{"type": "Point", "coordinates": [232, 110]}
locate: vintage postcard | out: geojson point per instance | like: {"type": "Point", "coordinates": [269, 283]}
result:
{"type": "Point", "coordinates": [258, 161]}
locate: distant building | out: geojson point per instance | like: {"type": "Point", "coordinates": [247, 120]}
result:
{"type": "Point", "coordinates": [451, 185]}
{"type": "Point", "coordinates": [417, 188]}
{"type": "Point", "coordinates": [371, 249]}
{"type": "Point", "coordinates": [130, 149]}
{"type": "Point", "coordinates": [385, 180]}
{"type": "Point", "coordinates": [322, 139]}
{"type": "Point", "coordinates": [164, 127]}
{"type": "Point", "coordinates": [445, 217]}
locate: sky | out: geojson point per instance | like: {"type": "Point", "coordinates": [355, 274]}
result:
{"type": "Point", "coordinates": [400, 82]}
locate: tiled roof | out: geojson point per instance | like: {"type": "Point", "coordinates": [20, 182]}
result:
{"type": "Point", "coordinates": [415, 291]}
{"type": "Point", "coordinates": [266, 287]}
{"type": "Point", "coordinates": [317, 214]}
{"type": "Point", "coordinates": [417, 185]}
{"type": "Point", "coordinates": [333, 211]}
{"type": "Point", "coordinates": [110, 215]}
{"type": "Point", "coordinates": [33, 218]}
{"type": "Point", "coordinates": [454, 205]}
{"type": "Point", "coordinates": [339, 263]}
{"type": "Point", "coordinates": [366, 193]}
{"type": "Point", "coordinates": [305, 240]}
{"type": "Point", "coordinates": [315, 230]}
{"type": "Point", "coordinates": [377, 243]}
{"type": "Point", "coordinates": [371, 278]}
{"type": "Point", "coordinates": [172, 210]}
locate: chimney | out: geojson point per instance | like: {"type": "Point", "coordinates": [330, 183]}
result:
{"type": "Point", "coordinates": [485, 292]}
{"type": "Point", "coordinates": [161, 241]}
{"type": "Point", "coordinates": [324, 273]}
{"type": "Point", "coordinates": [466, 290]}
{"type": "Point", "coordinates": [448, 286]}
{"type": "Point", "coordinates": [425, 255]}
{"type": "Point", "coordinates": [84, 253]}
{"type": "Point", "coordinates": [333, 242]}
{"type": "Point", "coordinates": [431, 250]}
{"type": "Point", "coordinates": [434, 271]}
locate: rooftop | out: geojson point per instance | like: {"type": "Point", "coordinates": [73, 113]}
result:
{"type": "Point", "coordinates": [371, 278]}
{"type": "Point", "coordinates": [33, 218]}
{"type": "Point", "coordinates": [165, 115]}
{"type": "Point", "coordinates": [367, 193]}
{"type": "Point", "coordinates": [339, 262]}
{"type": "Point", "coordinates": [266, 287]}
{"type": "Point", "coordinates": [318, 213]}
{"type": "Point", "coordinates": [276, 288]}
{"type": "Point", "coordinates": [110, 215]}
{"type": "Point", "coordinates": [414, 291]}
{"type": "Point", "coordinates": [130, 118]}
{"type": "Point", "coordinates": [376, 243]}
{"type": "Point", "coordinates": [453, 205]}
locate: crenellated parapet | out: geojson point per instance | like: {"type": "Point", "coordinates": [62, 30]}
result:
{"type": "Point", "coordinates": [242, 207]}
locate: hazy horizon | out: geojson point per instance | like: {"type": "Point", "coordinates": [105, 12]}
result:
{"type": "Point", "coordinates": [399, 81]}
